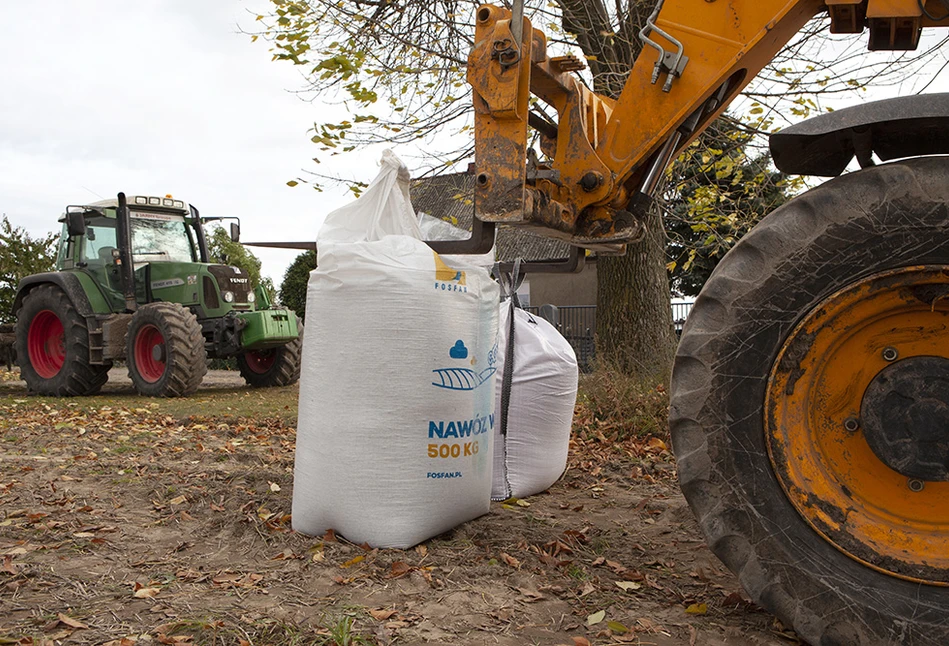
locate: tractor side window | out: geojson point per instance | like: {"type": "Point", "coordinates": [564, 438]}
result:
{"type": "Point", "coordinates": [98, 242]}
{"type": "Point", "coordinates": [64, 256]}
{"type": "Point", "coordinates": [161, 239]}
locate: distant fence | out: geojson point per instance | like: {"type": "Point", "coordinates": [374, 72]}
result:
{"type": "Point", "coordinates": [577, 323]}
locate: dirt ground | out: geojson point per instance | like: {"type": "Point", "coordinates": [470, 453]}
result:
{"type": "Point", "coordinates": [126, 526]}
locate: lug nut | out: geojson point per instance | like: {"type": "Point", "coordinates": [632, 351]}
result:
{"type": "Point", "coordinates": [890, 354]}
{"type": "Point", "coordinates": [915, 485]}
{"type": "Point", "coordinates": [851, 424]}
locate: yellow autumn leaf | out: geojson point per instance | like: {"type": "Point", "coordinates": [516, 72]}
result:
{"type": "Point", "coordinates": [146, 593]}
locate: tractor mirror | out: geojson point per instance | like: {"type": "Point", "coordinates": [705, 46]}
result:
{"type": "Point", "coordinates": [235, 231]}
{"type": "Point", "coordinates": [75, 223]}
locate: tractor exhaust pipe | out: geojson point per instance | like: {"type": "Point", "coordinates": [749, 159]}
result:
{"type": "Point", "coordinates": [123, 233]}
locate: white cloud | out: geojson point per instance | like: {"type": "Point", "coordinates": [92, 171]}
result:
{"type": "Point", "coordinates": [157, 96]}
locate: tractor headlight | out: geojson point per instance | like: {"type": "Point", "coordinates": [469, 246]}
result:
{"type": "Point", "coordinates": [251, 297]}
{"type": "Point", "coordinates": [228, 297]}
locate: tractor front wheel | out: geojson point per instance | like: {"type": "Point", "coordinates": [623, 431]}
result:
{"type": "Point", "coordinates": [52, 346]}
{"type": "Point", "coordinates": [809, 408]}
{"type": "Point", "coordinates": [165, 350]}
{"type": "Point", "coordinates": [273, 367]}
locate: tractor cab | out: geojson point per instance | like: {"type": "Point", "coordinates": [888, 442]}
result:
{"type": "Point", "coordinates": [159, 233]}
{"type": "Point", "coordinates": [165, 248]}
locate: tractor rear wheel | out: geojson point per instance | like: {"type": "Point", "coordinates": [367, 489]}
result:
{"type": "Point", "coordinates": [272, 367]}
{"type": "Point", "coordinates": [52, 346]}
{"type": "Point", "coordinates": [165, 350]}
{"type": "Point", "coordinates": [810, 408]}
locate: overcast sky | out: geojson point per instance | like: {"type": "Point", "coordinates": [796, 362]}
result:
{"type": "Point", "coordinates": [156, 97]}
{"type": "Point", "coordinates": [163, 96]}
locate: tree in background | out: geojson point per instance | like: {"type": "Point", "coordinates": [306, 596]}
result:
{"type": "Point", "coordinates": [225, 251]}
{"type": "Point", "coordinates": [21, 255]}
{"type": "Point", "coordinates": [715, 195]}
{"type": "Point", "coordinates": [400, 69]}
{"type": "Point", "coordinates": [293, 287]}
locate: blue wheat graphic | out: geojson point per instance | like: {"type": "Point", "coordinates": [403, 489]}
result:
{"type": "Point", "coordinates": [461, 378]}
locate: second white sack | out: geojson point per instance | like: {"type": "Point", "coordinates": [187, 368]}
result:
{"type": "Point", "coordinates": [530, 451]}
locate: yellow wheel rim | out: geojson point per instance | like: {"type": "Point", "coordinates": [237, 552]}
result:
{"type": "Point", "coordinates": [829, 372]}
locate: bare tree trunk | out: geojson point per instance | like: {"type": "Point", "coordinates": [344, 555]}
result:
{"type": "Point", "coordinates": [634, 332]}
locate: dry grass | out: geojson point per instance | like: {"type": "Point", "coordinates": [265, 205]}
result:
{"type": "Point", "coordinates": [225, 403]}
{"type": "Point", "coordinates": [616, 407]}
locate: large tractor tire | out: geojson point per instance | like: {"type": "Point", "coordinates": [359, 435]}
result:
{"type": "Point", "coordinates": [165, 350]}
{"type": "Point", "coordinates": [52, 346]}
{"type": "Point", "coordinates": [810, 409]}
{"type": "Point", "coordinates": [273, 367]}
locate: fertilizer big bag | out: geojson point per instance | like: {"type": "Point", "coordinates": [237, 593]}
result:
{"type": "Point", "coordinates": [397, 388]}
{"type": "Point", "coordinates": [537, 391]}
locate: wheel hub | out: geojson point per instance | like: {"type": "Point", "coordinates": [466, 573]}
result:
{"type": "Point", "coordinates": [905, 417]}
{"type": "Point", "coordinates": [46, 344]}
{"type": "Point", "coordinates": [149, 352]}
{"type": "Point", "coordinates": [857, 421]}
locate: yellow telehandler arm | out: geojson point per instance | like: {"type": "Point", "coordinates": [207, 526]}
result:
{"type": "Point", "coordinates": [809, 401]}
{"type": "Point", "coordinates": [607, 155]}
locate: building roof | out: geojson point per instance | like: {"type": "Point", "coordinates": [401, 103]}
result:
{"type": "Point", "coordinates": [450, 198]}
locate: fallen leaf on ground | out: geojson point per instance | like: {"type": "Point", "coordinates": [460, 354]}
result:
{"type": "Point", "coordinates": [619, 568]}
{"type": "Point", "coordinates": [399, 568]}
{"type": "Point", "coordinates": [145, 593]}
{"type": "Point", "coordinates": [530, 595]}
{"type": "Point", "coordinates": [596, 617]}
{"type": "Point", "coordinates": [510, 560]}
{"type": "Point", "coordinates": [353, 561]}
{"type": "Point", "coordinates": [628, 585]}
{"type": "Point", "coordinates": [656, 443]}
{"type": "Point", "coordinates": [617, 627]}
{"type": "Point", "coordinates": [382, 614]}
{"type": "Point", "coordinates": [69, 621]}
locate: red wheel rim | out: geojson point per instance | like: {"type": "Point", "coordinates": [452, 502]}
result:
{"type": "Point", "coordinates": [150, 353]}
{"type": "Point", "coordinates": [46, 344]}
{"type": "Point", "coordinates": [260, 361]}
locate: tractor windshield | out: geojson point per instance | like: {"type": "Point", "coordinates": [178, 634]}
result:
{"type": "Point", "coordinates": [161, 238]}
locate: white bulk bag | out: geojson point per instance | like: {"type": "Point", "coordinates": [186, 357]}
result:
{"type": "Point", "coordinates": [396, 414]}
{"type": "Point", "coordinates": [530, 452]}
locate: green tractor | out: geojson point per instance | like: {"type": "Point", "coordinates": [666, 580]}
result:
{"type": "Point", "coordinates": [133, 281]}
